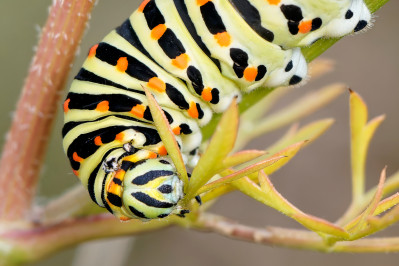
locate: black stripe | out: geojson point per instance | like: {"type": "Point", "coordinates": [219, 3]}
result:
{"type": "Point", "coordinates": [149, 176]}
{"type": "Point", "coordinates": [84, 145]}
{"type": "Point", "coordinates": [316, 24]}
{"type": "Point", "coordinates": [70, 125]}
{"type": "Point", "coordinates": [215, 96]}
{"type": "Point", "coordinates": [200, 112]}
{"type": "Point", "coordinates": [85, 75]}
{"type": "Point", "coordinates": [153, 15]}
{"type": "Point", "coordinates": [171, 45]}
{"type": "Point", "coordinates": [117, 181]}
{"type": "Point", "coordinates": [137, 213]}
{"type": "Point", "coordinates": [196, 79]}
{"type": "Point", "coordinates": [185, 129]}
{"type": "Point", "coordinates": [165, 189]}
{"type": "Point", "coordinates": [251, 15]}
{"type": "Point", "coordinates": [136, 69]}
{"type": "Point", "coordinates": [182, 9]}
{"type": "Point", "coordinates": [240, 59]}
{"type": "Point", "coordinates": [93, 175]}
{"type": "Point", "coordinates": [292, 12]}
{"type": "Point", "coordinates": [150, 201]}
{"type": "Point", "coordinates": [261, 72]}
{"type": "Point", "coordinates": [117, 102]}
{"type": "Point", "coordinates": [212, 19]}
{"type": "Point", "coordinates": [176, 97]}
{"type": "Point", "coordinates": [127, 32]}
{"type": "Point", "coordinates": [114, 199]}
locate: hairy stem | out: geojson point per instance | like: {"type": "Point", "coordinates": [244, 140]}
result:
{"type": "Point", "coordinates": [27, 140]}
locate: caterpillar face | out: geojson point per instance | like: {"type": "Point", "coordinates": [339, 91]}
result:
{"type": "Point", "coordinates": [194, 56]}
{"type": "Point", "coordinates": [152, 189]}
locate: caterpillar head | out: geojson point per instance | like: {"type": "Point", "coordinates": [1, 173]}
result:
{"type": "Point", "coordinates": [151, 189]}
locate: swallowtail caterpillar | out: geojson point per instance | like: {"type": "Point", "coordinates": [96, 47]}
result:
{"type": "Point", "coordinates": [194, 56]}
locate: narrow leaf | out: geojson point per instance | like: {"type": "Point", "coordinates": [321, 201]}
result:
{"type": "Point", "coordinates": [387, 204]}
{"type": "Point", "coordinates": [269, 196]}
{"type": "Point", "coordinates": [278, 202]}
{"type": "Point", "coordinates": [372, 206]}
{"type": "Point", "coordinates": [288, 154]}
{"type": "Point", "coordinates": [300, 108]}
{"type": "Point", "coordinates": [309, 132]}
{"type": "Point", "coordinates": [240, 173]}
{"type": "Point", "coordinates": [361, 134]}
{"type": "Point", "coordinates": [221, 144]}
{"type": "Point", "coordinates": [241, 157]}
{"type": "Point", "coordinates": [167, 136]}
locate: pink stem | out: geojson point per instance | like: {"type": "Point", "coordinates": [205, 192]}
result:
{"type": "Point", "coordinates": [38, 104]}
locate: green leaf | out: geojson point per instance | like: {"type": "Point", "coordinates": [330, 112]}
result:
{"type": "Point", "coordinates": [310, 132]}
{"type": "Point", "coordinates": [361, 134]}
{"type": "Point", "coordinates": [167, 137]}
{"type": "Point", "coordinates": [369, 212]}
{"type": "Point", "coordinates": [241, 158]}
{"type": "Point", "coordinates": [300, 108]}
{"type": "Point", "coordinates": [269, 196]}
{"type": "Point", "coordinates": [221, 144]}
{"type": "Point", "coordinates": [240, 173]}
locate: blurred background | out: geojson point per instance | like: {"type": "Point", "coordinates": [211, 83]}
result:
{"type": "Point", "coordinates": [317, 180]}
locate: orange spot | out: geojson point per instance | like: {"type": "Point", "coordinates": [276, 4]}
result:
{"type": "Point", "coordinates": [202, 2]}
{"type": "Point", "coordinates": [193, 111]}
{"type": "Point", "coordinates": [274, 2]}
{"type": "Point", "coordinates": [66, 105]}
{"type": "Point", "coordinates": [113, 188]}
{"type": "Point", "coordinates": [223, 38]}
{"type": "Point", "coordinates": [120, 174]}
{"type": "Point", "coordinates": [77, 158]}
{"type": "Point", "coordinates": [181, 61]}
{"type": "Point", "coordinates": [305, 26]}
{"type": "Point", "coordinates": [138, 110]}
{"type": "Point", "coordinates": [176, 130]}
{"type": "Point", "coordinates": [157, 84]}
{"type": "Point", "coordinates": [142, 5]}
{"type": "Point", "coordinates": [152, 155]}
{"type": "Point", "coordinates": [75, 173]}
{"type": "Point", "coordinates": [162, 151]}
{"type": "Point", "coordinates": [207, 94]}
{"type": "Point", "coordinates": [98, 141]}
{"type": "Point", "coordinates": [120, 136]}
{"type": "Point", "coordinates": [124, 218]}
{"type": "Point", "coordinates": [250, 73]}
{"type": "Point", "coordinates": [158, 31]}
{"type": "Point", "coordinates": [102, 106]}
{"type": "Point", "coordinates": [122, 64]}
{"type": "Point", "coordinates": [92, 52]}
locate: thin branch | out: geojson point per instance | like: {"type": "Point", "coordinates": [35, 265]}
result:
{"type": "Point", "coordinates": [291, 238]}
{"type": "Point", "coordinates": [28, 138]}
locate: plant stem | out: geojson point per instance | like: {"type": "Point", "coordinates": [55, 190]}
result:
{"type": "Point", "coordinates": [291, 238]}
{"type": "Point", "coordinates": [38, 104]}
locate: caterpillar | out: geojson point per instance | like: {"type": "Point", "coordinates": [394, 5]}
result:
{"type": "Point", "coordinates": [195, 56]}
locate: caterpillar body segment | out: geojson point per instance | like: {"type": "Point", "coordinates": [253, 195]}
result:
{"type": "Point", "coordinates": [294, 23]}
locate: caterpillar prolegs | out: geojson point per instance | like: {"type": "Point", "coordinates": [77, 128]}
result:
{"type": "Point", "coordinates": [194, 56]}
